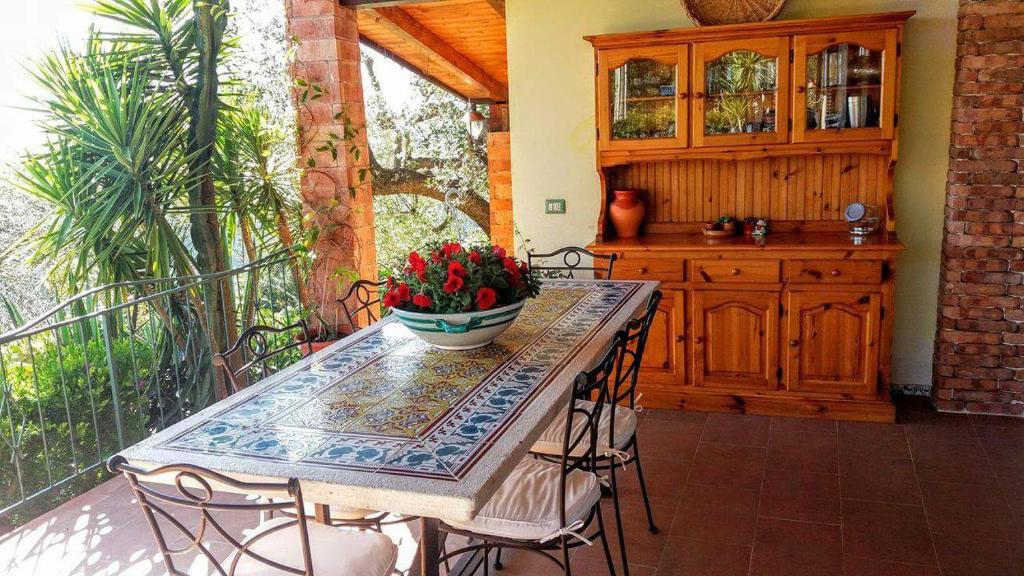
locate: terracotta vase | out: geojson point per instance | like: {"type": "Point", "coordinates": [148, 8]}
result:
{"type": "Point", "coordinates": [626, 213]}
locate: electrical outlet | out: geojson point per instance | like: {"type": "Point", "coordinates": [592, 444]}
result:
{"type": "Point", "coordinates": [554, 206]}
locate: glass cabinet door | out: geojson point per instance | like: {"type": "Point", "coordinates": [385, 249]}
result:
{"type": "Point", "coordinates": [741, 94]}
{"type": "Point", "coordinates": [845, 86]}
{"type": "Point", "coordinates": [641, 98]}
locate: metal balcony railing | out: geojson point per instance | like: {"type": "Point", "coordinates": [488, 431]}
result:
{"type": "Point", "coordinates": [111, 366]}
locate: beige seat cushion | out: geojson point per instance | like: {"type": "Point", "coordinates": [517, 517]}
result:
{"type": "Point", "coordinates": [525, 507]}
{"type": "Point", "coordinates": [336, 551]}
{"type": "Point", "coordinates": [550, 442]}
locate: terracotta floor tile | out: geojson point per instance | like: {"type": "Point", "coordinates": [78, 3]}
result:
{"type": "Point", "coordinates": [887, 531]}
{"type": "Point", "coordinates": [938, 425]}
{"type": "Point", "coordinates": [719, 513]}
{"type": "Point", "coordinates": [1005, 454]}
{"type": "Point", "coordinates": [886, 480]}
{"type": "Point", "coordinates": [1011, 481]}
{"type": "Point", "coordinates": [676, 415]}
{"type": "Point", "coordinates": [642, 547]}
{"type": "Point", "coordinates": [728, 464]}
{"type": "Point", "coordinates": [966, 509]}
{"type": "Point", "coordinates": [960, 556]}
{"type": "Point", "coordinates": [668, 439]}
{"type": "Point", "coordinates": [795, 449]}
{"type": "Point", "coordinates": [688, 557]}
{"type": "Point", "coordinates": [737, 429]}
{"type": "Point", "coordinates": [664, 478]}
{"type": "Point", "coordinates": [785, 548]}
{"type": "Point", "coordinates": [804, 425]}
{"type": "Point", "coordinates": [945, 461]}
{"type": "Point", "coordinates": [854, 566]}
{"type": "Point", "coordinates": [801, 496]}
{"type": "Point", "coordinates": [867, 439]}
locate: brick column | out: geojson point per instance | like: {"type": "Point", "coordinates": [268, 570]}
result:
{"type": "Point", "coordinates": [333, 151]}
{"type": "Point", "coordinates": [979, 356]}
{"type": "Point", "coordinates": [499, 178]}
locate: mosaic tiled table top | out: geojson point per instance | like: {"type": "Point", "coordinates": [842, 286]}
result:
{"type": "Point", "coordinates": [384, 421]}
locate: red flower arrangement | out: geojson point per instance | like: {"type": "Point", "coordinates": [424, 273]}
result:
{"type": "Point", "coordinates": [460, 278]}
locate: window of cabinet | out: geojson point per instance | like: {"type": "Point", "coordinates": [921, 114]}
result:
{"type": "Point", "coordinates": [830, 342]}
{"type": "Point", "coordinates": [734, 339]}
{"type": "Point", "coordinates": [845, 86]}
{"type": "Point", "coordinates": [642, 97]}
{"type": "Point", "coordinates": [741, 92]}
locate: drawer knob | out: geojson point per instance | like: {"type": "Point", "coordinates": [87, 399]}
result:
{"type": "Point", "coordinates": [799, 89]}
{"type": "Point", "coordinates": [683, 95]}
{"type": "Point", "coordinates": [794, 342]}
{"type": "Point", "coordinates": [735, 271]}
{"type": "Point", "coordinates": [836, 273]}
{"type": "Point", "coordinates": [679, 338]}
{"type": "Point", "coordinates": [643, 269]}
{"type": "Point", "coordinates": [698, 340]}
{"type": "Point", "coordinates": [698, 95]}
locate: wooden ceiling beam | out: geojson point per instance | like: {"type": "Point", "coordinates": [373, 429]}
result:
{"type": "Point", "coordinates": [382, 3]}
{"type": "Point", "coordinates": [401, 24]}
{"type": "Point", "coordinates": [498, 5]}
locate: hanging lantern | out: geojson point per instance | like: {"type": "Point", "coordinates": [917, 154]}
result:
{"type": "Point", "coordinates": [476, 121]}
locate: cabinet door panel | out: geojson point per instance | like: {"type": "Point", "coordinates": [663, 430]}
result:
{"type": "Point", "coordinates": [734, 339]}
{"type": "Point", "coordinates": [641, 98]}
{"type": "Point", "coordinates": [832, 342]}
{"type": "Point", "coordinates": [663, 357]}
{"type": "Point", "coordinates": [741, 92]}
{"type": "Point", "coordinates": [844, 86]}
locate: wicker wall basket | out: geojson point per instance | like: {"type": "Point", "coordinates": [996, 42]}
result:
{"type": "Point", "coordinates": [712, 12]}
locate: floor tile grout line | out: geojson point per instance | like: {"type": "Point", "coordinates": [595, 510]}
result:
{"type": "Point", "coordinates": [924, 507]}
{"type": "Point", "coordinates": [686, 481]}
{"type": "Point", "coordinates": [1017, 521]}
{"type": "Point", "coordinates": [760, 492]}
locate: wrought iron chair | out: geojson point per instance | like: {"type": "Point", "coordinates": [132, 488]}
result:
{"type": "Point", "coordinates": [362, 296]}
{"type": "Point", "coordinates": [572, 263]}
{"type": "Point", "coordinates": [284, 545]}
{"type": "Point", "coordinates": [254, 349]}
{"type": "Point", "coordinates": [617, 444]}
{"type": "Point", "coordinates": [561, 500]}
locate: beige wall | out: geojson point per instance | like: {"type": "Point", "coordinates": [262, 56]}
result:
{"type": "Point", "coordinates": [551, 80]}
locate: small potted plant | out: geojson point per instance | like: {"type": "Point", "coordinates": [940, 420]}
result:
{"type": "Point", "coordinates": [457, 297]}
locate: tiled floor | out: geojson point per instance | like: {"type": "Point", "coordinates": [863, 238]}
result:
{"type": "Point", "coordinates": [935, 494]}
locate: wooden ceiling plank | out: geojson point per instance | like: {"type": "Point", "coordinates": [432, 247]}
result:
{"type": "Point", "coordinates": [404, 26]}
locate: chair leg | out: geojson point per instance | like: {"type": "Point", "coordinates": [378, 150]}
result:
{"type": "Point", "coordinates": [618, 521]}
{"type": "Point", "coordinates": [444, 552]}
{"type": "Point", "coordinates": [565, 555]}
{"type": "Point", "coordinates": [497, 560]}
{"type": "Point", "coordinates": [643, 487]}
{"type": "Point", "coordinates": [604, 541]}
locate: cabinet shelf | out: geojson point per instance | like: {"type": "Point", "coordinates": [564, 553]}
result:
{"type": "Point", "coordinates": [649, 98]}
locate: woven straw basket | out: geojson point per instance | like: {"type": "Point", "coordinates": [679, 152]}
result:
{"type": "Point", "coordinates": [712, 12]}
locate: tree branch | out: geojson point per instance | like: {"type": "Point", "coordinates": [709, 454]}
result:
{"type": "Point", "coordinates": [387, 181]}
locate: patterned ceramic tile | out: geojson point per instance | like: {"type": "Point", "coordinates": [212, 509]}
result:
{"type": "Point", "coordinates": [387, 401]}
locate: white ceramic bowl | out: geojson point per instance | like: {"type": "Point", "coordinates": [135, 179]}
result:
{"type": "Point", "coordinates": [463, 331]}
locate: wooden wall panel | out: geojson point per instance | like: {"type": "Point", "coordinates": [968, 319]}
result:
{"type": "Point", "coordinates": [796, 188]}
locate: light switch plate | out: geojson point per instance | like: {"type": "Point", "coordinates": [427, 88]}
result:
{"type": "Point", "coordinates": [554, 206]}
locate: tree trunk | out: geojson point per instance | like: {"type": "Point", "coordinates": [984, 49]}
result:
{"type": "Point", "coordinates": [403, 181]}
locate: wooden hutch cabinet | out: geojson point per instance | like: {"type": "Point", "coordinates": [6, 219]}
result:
{"type": "Point", "coordinates": [789, 121]}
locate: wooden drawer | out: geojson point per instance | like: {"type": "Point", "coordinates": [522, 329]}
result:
{"type": "Point", "coordinates": [834, 271]}
{"type": "Point", "coordinates": [664, 269]}
{"type": "Point", "coordinates": [735, 271]}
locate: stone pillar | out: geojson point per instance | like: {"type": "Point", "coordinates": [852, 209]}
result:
{"type": "Point", "coordinates": [333, 151]}
{"type": "Point", "coordinates": [979, 351]}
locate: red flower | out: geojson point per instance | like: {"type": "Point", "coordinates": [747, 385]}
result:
{"type": "Point", "coordinates": [436, 257]}
{"type": "Point", "coordinates": [453, 284]}
{"type": "Point", "coordinates": [416, 262]}
{"type": "Point", "coordinates": [499, 251]}
{"type": "Point", "coordinates": [456, 269]}
{"type": "Point", "coordinates": [485, 298]}
{"type": "Point", "coordinates": [524, 268]}
{"type": "Point", "coordinates": [511, 268]}
{"type": "Point", "coordinates": [391, 299]}
{"type": "Point", "coordinates": [403, 292]}
{"type": "Point", "coordinates": [422, 275]}
{"type": "Point", "coordinates": [452, 248]}
{"type": "Point", "coordinates": [391, 282]}
{"type": "Point", "coordinates": [423, 301]}
{"type": "Point", "coordinates": [474, 257]}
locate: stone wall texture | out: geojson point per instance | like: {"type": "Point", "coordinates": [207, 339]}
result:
{"type": "Point", "coordinates": [979, 356]}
